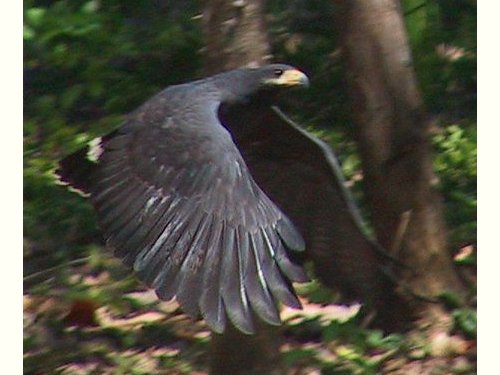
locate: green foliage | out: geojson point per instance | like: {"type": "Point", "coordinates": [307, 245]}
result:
{"type": "Point", "coordinates": [456, 166]}
{"type": "Point", "coordinates": [442, 35]}
{"type": "Point", "coordinates": [346, 348]}
{"type": "Point", "coordinates": [316, 292]}
{"type": "Point", "coordinates": [466, 321]}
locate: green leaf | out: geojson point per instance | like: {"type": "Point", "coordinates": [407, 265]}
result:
{"type": "Point", "coordinates": [466, 320]}
{"type": "Point", "coordinates": [28, 32]}
{"type": "Point", "coordinates": [450, 299]}
{"type": "Point", "coordinates": [34, 16]}
{"type": "Point", "coordinates": [91, 7]}
{"type": "Point", "coordinates": [71, 95]}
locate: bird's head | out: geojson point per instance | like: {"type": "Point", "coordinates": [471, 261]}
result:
{"type": "Point", "coordinates": [281, 75]}
{"type": "Point", "coordinates": [243, 85]}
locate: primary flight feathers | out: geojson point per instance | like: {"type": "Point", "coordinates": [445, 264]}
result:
{"type": "Point", "coordinates": [176, 201]}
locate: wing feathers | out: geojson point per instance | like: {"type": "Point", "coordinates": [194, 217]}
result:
{"type": "Point", "coordinates": [171, 232]}
{"type": "Point", "coordinates": [211, 305]}
{"type": "Point", "coordinates": [259, 295]}
{"type": "Point", "coordinates": [124, 219]}
{"type": "Point", "coordinates": [232, 287]}
{"type": "Point", "coordinates": [184, 212]}
{"type": "Point", "coordinates": [292, 271]}
{"type": "Point", "coordinates": [280, 287]}
{"type": "Point", "coordinates": [179, 249]}
{"type": "Point", "coordinates": [151, 226]}
{"type": "Point", "coordinates": [290, 235]}
{"type": "Point", "coordinates": [189, 290]}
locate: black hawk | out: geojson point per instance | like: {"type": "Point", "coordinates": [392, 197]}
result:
{"type": "Point", "coordinates": [206, 189]}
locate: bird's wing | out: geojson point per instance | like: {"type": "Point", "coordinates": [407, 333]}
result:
{"type": "Point", "coordinates": [177, 203]}
{"type": "Point", "coordinates": [301, 175]}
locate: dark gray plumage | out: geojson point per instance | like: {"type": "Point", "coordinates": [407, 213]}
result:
{"type": "Point", "coordinates": [176, 201]}
{"type": "Point", "coordinates": [176, 198]}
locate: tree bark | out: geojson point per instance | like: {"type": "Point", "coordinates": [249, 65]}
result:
{"type": "Point", "coordinates": [235, 36]}
{"type": "Point", "coordinates": [392, 133]}
{"type": "Point", "coordinates": [236, 353]}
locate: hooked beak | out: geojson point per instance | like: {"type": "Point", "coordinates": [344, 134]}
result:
{"type": "Point", "coordinates": [289, 78]}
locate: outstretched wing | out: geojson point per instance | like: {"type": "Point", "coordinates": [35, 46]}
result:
{"type": "Point", "coordinates": [177, 203]}
{"type": "Point", "coordinates": [301, 175]}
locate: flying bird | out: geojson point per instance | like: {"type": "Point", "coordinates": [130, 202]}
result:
{"type": "Point", "coordinates": [208, 190]}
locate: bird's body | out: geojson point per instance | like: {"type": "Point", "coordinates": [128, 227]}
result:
{"type": "Point", "coordinates": [176, 201]}
{"type": "Point", "coordinates": [197, 191]}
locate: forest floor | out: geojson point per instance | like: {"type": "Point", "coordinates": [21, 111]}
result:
{"type": "Point", "coordinates": [94, 318]}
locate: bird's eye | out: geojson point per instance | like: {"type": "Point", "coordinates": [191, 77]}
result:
{"type": "Point", "coordinates": [278, 72]}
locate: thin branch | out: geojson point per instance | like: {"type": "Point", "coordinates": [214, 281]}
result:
{"type": "Point", "coordinates": [400, 233]}
{"type": "Point", "coordinates": [413, 10]}
{"type": "Point", "coordinates": [48, 271]}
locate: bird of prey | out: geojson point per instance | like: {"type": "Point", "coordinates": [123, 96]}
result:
{"type": "Point", "coordinates": [207, 190]}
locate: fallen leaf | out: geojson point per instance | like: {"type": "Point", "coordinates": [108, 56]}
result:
{"type": "Point", "coordinates": [81, 313]}
{"type": "Point", "coordinates": [444, 345]}
{"type": "Point", "coordinates": [325, 314]}
{"type": "Point", "coordinates": [464, 253]}
{"type": "Point", "coordinates": [106, 319]}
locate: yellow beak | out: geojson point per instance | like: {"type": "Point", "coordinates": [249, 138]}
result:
{"type": "Point", "coordinates": [291, 77]}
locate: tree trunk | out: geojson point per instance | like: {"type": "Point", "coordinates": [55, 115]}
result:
{"type": "Point", "coordinates": [392, 134]}
{"type": "Point", "coordinates": [235, 36]}
{"type": "Point", "coordinates": [236, 353]}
